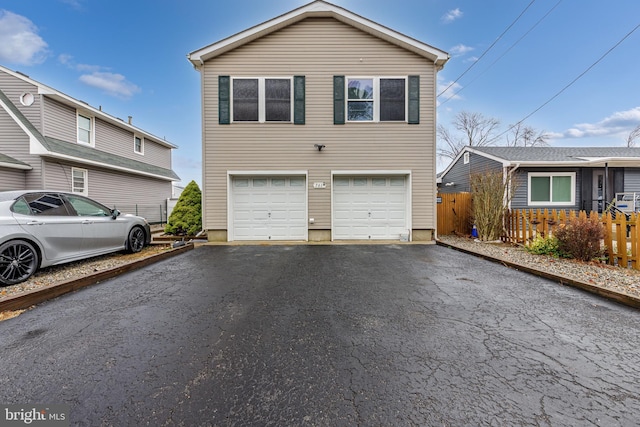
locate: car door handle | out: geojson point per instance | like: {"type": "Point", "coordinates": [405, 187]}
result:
{"type": "Point", "coordinates": [86, 221]}
{"type": "Point", "coordinates": [35, 223]}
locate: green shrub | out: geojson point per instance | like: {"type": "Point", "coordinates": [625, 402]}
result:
{"type": "Point", "coordinates": [186, 217]}
{"type": "Point", "coordinates": [546, 246]}
{"type": "Point", "coordinates": [580, 238]}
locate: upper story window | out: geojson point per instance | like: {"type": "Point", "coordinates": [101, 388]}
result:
{"type": "Point", "coordinates": [262, 100]}
{"type": "Point", "coordinates": [376, 99]}
{"type": "Point", "coordinates": [138, 145]}
{"type": "Point", "coordinates": [86, 133]}
{"type": "Point", "coordinates": [547, 188]}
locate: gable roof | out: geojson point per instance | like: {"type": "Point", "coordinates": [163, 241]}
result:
{"type": "Point", "coordinates": [554, 156]}
{"type": "Point", "coordinates": [323, 9]}
{"type": "Point", "coordinates": [81, 105]}
{"type": "Point", "coordinates": [51, 147]}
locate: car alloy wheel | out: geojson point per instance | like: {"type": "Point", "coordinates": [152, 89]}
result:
{"type": "Point", "coordinates": [18, 262]}
{"type": "Point", "coordinates": [136, 239]}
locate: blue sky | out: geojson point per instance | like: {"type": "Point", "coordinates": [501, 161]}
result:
{"type": "Point", "coordinates": [130, 58]}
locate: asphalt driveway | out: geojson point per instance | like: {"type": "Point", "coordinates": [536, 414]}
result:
{"type": "Point", "coordinates": [330, 336]}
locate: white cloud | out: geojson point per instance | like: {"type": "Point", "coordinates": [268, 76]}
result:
{"type": "Point", "coordinates": [619, 123]}
{"type": "Point", "coordinates": [460, 49]}
{"type": "Point", "coordinates": [450, 92]}
{"type": "Point", "coordinates": [112, 83]}
{"type": "Point", "coordinates": [452, 15]}
{"type": "Point", "coordinates": [19, 40]}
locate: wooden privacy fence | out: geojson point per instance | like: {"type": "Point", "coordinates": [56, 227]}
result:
{"type": "Point", "coordinates": [622, 236]}
{"type": "Point", "coordinates": [454, 213]}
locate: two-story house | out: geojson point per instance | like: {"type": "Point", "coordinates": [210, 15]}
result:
{"type": "Point", "coordinates": [319, 125]}
{"type": "Point", "coordinates": [51, 141]}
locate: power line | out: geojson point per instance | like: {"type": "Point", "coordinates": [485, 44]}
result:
{"type": "Point", "coordinates": [488, 49]}
{"type": "Point", "coordinates": [572, 81]}
{"type": "Point", "coordinates": [505, 52]}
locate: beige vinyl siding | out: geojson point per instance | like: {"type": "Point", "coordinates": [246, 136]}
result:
{"type": "Point", "coordinates": [319, 49]}
{"type": "Point", "coordinates": [14, 87]}
{"type": "Point", "coordinates": [108, 187]}
{"type": "Point", "coordinates": [11, 179]}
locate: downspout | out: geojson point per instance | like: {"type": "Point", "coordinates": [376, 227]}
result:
{"type": "Point", "coordinates": [605, 189]}
{"type": "Point", "coordinates": [510, 178]}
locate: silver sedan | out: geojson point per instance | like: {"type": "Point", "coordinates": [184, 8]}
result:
{"type": "Point", "coordinates": [44, 228]}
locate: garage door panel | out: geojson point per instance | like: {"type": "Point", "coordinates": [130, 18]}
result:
{"type": "Point", "coordinates": [269, 208]}
{"type": "Point", "coordinates": [370, 207]}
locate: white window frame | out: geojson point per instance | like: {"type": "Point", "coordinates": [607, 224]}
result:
{"type": "Point", "coordinates": [92, 131]}
{"type": "Point", "coordinates": [465, 158]}
{"type": "Point", "coordinates": [376, 98]}
{"type": "Point", "coordinates": [262, 102]}
{"type": "Point", "coordinates": [85, 189]}
{"type": "Point", "coordinates": [551, 175]}
{"type": "Point", "coordinates": [141, 152]}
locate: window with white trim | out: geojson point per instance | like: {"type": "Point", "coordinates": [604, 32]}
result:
{"type": "Point", "coordinates": [376, 99]}
{"type": "Point", "coordinates": [86, 134]}
{"type": "Point", "coordinates": [79, 181]}
{"type": "Point", "coordinates": [262, 99]}
{"type": "Point", "coordinates": [552, 188]}
{"type": "Point", "coordinates": [138, 145]}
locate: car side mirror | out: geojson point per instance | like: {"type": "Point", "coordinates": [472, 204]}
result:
{"type": "Point", "coordinates": [115, 213]}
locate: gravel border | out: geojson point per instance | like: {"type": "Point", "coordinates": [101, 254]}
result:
{"type": "Point", "coordinates": [622, 281]}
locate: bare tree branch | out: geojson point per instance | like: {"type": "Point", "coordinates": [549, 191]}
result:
{"type": "Point", "coordinates": [474, 129]}
{"type": "Point", "coordinates": [633, 136]}
{"type": "Point", "coordinates": [526, 136]}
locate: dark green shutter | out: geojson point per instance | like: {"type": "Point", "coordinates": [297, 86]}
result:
{"type": "Point", "coordinates": [224, 100]}
{"type": "Point", "coordinates": [338, 100]}
{"type": "Point", "coordinates": [414, 100]}
{"type": "Point", "coordinates": [298, 100]}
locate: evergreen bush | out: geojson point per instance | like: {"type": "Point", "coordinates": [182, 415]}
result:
{"type": "Point", "coordinates": [186, 217]}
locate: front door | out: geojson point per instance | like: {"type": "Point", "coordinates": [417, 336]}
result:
{"type": "Point", "coordinates": [598, 191]}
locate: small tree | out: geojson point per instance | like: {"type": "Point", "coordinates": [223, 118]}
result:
{"type": "Point", "coordinates": [490, 193]}
{"type": "Point", "coordinates": [186, 217]}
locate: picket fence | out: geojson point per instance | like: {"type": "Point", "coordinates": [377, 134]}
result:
{"type": "Point", "coordinates": [622, 236]}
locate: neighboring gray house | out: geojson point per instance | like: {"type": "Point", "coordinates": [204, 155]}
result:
{"type": "Point", "coordinates": [575, 178]}
{"type": "Point", "coordinates": [319, 125]}
{"type": "Point", "coordinates": [51, 141]}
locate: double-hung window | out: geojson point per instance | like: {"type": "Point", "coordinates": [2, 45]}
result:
{"type": "Point", "coordinates": [138, 145]}
{"type": "Point", "coordinates": [262, 99]}
{"type": "Point", "coordinates": [85, 129]}
{"type": "Point", "coordinates": [376, 99]}
{"type": "Point", "coordinates": [547, 188]}
{"type": "Point", "coordinates": [79, 182]}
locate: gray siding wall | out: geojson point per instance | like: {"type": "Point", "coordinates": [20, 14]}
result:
{"type": "Point", "coordinates": [319, 49]}
{"type": "Point", "coordinates": [520, 199]}
{"type": "Point", "coordinates": [14, 141]}
{"type": "Point", "coordinates": [108, 187]}
{"type": "Point", "coordinates": [632, 180]}
{"type": "Point", "coordinates": [11, 179]}
{"type": "Point", "coordinates": [61, 123]}
{"type": "Point", "coordinates": [460, 174]}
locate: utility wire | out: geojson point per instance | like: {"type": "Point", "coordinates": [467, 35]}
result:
{"type": "Point", "coordinates": [505, 52]}
{"type": "Point", "coordinates": [572, 82]}
{"type": "Point", "coordinates": [488, 49]}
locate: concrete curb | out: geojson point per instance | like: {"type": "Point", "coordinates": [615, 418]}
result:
{"type": "Point", "coordinates": [621, 298]}
{"type": "Point", "coordinates": [27, 299]}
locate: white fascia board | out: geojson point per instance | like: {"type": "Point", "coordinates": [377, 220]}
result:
{"type": "Point", "coordinates": [15, 166]}
{"type": "Point", "coordinates": [317, 9]}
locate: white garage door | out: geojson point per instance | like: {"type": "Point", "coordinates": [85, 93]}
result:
{"type": "Point", "coordinates": [370, 208]}
{"type": "Point", "coordinates": [269, 208]}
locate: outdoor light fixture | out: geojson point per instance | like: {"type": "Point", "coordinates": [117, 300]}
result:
{"type": "Point", "coordinates": [319, 146]}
